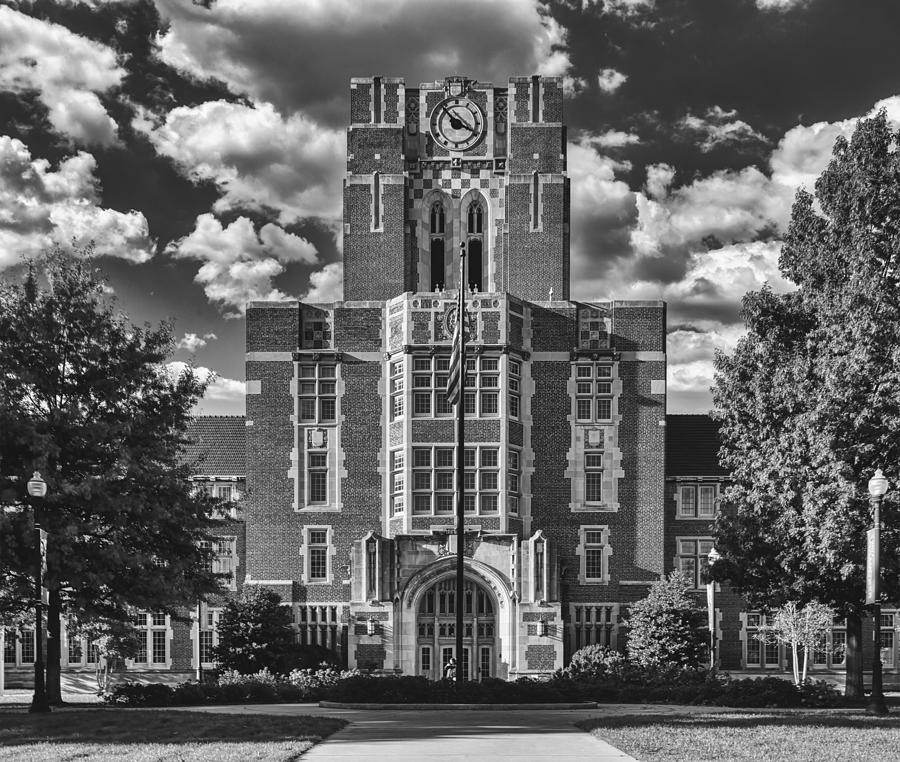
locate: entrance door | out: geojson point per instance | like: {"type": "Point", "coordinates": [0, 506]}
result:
{"type": "Point", "coordinates": [436, 630]}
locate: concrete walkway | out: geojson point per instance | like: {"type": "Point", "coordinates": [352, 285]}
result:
{"type": "Point", "coordinates": [404, 735]}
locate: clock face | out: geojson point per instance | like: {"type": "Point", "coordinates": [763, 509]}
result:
{"type": "Point", "coordinates": [457, 124]}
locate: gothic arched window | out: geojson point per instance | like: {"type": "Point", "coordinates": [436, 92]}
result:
{"type": "Point", "coordinates": [475, 218]}
{"type": "Point", "coordinates": [438, 263]}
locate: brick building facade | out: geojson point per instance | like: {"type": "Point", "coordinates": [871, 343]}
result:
{"type": "Point", "coordinates": [350, 437]}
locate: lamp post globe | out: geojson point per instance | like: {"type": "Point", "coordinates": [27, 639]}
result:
{"type": "Point", "coordinates": [878, 484]}
{"type": "Point", "coordinates": [37, 487]}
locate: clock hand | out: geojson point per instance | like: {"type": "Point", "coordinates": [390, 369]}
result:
{"type": "Point", "coordinates": [464, 123]}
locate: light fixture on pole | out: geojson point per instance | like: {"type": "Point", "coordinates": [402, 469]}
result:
{"type": "Point", "coordinates": [878, 486]}
{"type": "Point", "coordinates": [37, 488]}
{"type": "Point", "coordinates": [711, 559]}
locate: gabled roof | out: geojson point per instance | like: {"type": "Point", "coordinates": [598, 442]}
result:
{"type": "Point", "coordinates": [692, 446]}
{"type": "Point", "coordinates": [220, 442]}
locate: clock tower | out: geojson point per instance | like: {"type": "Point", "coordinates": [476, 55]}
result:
{"type": "Point", "coordinates": [450, 162]}
{"type": "Point", "coordinates": [351, 463]}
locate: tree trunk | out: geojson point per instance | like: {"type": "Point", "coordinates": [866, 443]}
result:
{"type": "Point", "coordinates": [796, 664]}
{"type": "Point", "coordinates": [853, 688]}
{"type": "Point", "coordinates": [805, 663]}
{"type": "Point", "coordinates": [54, 655]}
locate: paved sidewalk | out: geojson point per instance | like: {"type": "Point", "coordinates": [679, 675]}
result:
{"type": "Point", "coordinates": [405, 735]}
{"type": "Point", "coordinates": [466, 735]}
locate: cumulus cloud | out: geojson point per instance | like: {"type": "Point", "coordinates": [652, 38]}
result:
{"type": "Point", "coordinates": [192, 342]}
{"type": "Point", "coordinates": [258, 158]}
{"type": "Point", "coordinates": [326, 285]}
{"type": "Point", "coordinates": [718, 127]}
{"type": "Point", "coordinates": [781, 5]}
{"type": "Point", "coordinates": [282, 51]}
{"type": "Point", "coordinates": [240, 263]}
{"type": "Point", "coordinates": [223, 395]}
{"type": "Point", "coordinates": [40, 207]}
{"type": "Point", "coordinates": [66, 70]}
{"type": "Point", "coordinates": [610, 80]}
{"type": "Point", "coordinates": [611, 139]}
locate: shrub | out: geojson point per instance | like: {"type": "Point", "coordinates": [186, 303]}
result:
{"type": "Point", "coordinates": [666, 628]}
{"type": "Point", "coordinates": [189, 694]}
{"type": "Point", "coordinates": [139, 694]}
{"type": "Point", "coordinates": [597, 662]}
{"type": "Point", "coordinates": [255, 632]}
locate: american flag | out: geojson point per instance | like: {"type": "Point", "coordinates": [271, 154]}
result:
{"type": "Point", "coordinates": [457, 361]}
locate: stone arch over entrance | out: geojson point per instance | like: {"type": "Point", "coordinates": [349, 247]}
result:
{"type": "Point", "coordinates": [490, 635]}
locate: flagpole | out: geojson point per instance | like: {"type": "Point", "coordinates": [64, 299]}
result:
{"type": "Point", "coordinates": [460, 468]}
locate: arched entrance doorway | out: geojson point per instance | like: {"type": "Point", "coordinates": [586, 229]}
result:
{"type": "Point", "coordinates": [436, 630]}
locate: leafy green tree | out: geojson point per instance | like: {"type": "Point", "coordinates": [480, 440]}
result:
{"type": "Point", "coordinates": [665, 629]}
{"type": "Point", "coordinates": [85, 399]}
{"type": "Point", "coordinates": [255, 632]}
{"type": "Point", "coordinates": [809, 401]}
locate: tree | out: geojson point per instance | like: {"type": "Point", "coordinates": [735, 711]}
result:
{"type": "Point", "coordinates": [255, 632]}
{"type": "Point", "coordinates": [85, 398]}
{"type": "Point", "coordinates": [809, 402]}
{"type": "Point", "coordinates": [801, 628]}
{"type": "Point", "coordinates": [665, 629]}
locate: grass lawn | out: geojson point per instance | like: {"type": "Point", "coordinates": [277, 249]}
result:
{"type": "Point", "coordinates": [141, 736]}
{"type": "Point", "coordinates": [732, 736]}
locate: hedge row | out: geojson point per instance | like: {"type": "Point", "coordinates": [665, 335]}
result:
{"type": "Point", "coordinates": [401, 689]}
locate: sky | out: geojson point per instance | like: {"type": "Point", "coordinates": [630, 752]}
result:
{"type": "Point", "coordinates": [201, 146]}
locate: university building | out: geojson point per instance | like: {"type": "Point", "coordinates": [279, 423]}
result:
{"type": "Point", "coordinates": [580, 489]}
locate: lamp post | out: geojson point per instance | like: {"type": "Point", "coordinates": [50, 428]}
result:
{"type": "Point", "coordinates": [878, 485]}
{"type": "Point", "coordinates": [711, 558]}
{"type": "Point", "coordinates": [37, 488]}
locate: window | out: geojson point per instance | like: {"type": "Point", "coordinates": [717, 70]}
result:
{"type": "Point", "coordinates": [317, 547]}
{"type": "Point", "coordinates": [514, 480]}
{"type": "Point", "coordinates": [693, 558]}
{"type": "Point", "coordinates": [425, 659]}
{"type": "Point", "coordinates": [430, 386]}
{"type": "Point", "coordinates": [514, 382]}
{"type": "Point", "coordinates": [397, 388]}
{"type": "Point", "coordinates": [317, 477]}
{"type": "Point", "coordinates": [759, 651]}
{"type": "Point", "coordinates": [593, 475]}
{"type": "Point", "coordinates": [481, 396]}
{"type": "Point", "coordinates": [26, 643]}
{"type": "Point", "coordinates": [474, 245]}
{"type": "Point", "coordinates": [886, 639]}
{"type": "Point", "coordinates": [75, 651]}
{"type": "Point", "coordinates": [697, 501]}
{"type": "Point", "coordinates": [317, 551]}
{"type": "Point", "coordinates": [225, 560]}
{"type": "Point", "coordinates": [9, 647]}
{"type": "Point", "coordinates": [153, 638]}
{"type": "Point", "coordinates": [594, 550]}
{"type": "Point", "coordinates": [436, 218]}
{"type": "Point", "coordinates": [208, 635]}
{"type": "Point", "coordinates": [593, 392]}
{"type": "Point", "coordinates": [434, 480]}
{"type": "Point", "coordinates": [398, 482]}
{"type": "Point", "coordinates": [316, 388]}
